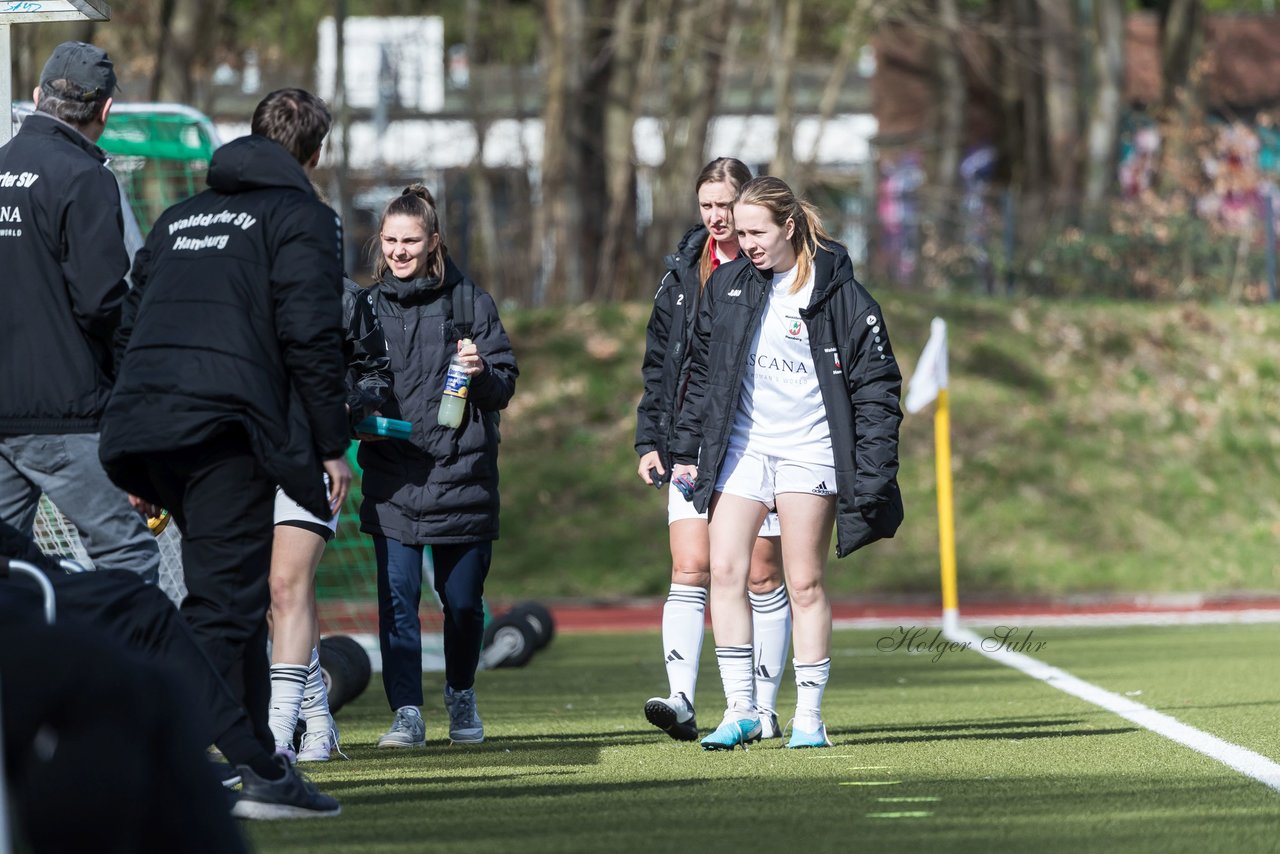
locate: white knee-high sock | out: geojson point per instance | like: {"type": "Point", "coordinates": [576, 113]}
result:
{"type": "Point", "coordinates": [811, 681]}
{"type": "Point", "coordinates": [771, 628]}
{"type": "Point", "coordinates": [315, 699]}
{"type": "Point", "coordinates": [287, 682]}
{"type": "Point", "coordinates": [683, 626]}
{"type": "Point", "coordinates": [735, 672]}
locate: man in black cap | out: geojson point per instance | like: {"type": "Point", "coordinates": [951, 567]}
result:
{"type": "Point", "coordinates": [63, 255]}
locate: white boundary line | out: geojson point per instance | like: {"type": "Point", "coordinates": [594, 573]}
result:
{"type": "Point", "coordinates": [1245, 761]}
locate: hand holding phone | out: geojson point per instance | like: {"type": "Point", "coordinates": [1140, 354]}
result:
{"type": "Point", "coordinates": [657, 478]}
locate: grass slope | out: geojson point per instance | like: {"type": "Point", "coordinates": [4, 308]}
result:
{"type": "Point", "coordinates": [958, 754]}
{"type": "Point", "coordinates": [1098, 447]}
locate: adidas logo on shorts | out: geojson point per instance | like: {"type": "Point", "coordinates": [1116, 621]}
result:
{"type": "Point", "coordinates": [821, 489]}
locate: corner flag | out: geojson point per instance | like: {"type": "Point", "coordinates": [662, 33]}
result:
{"type": "Point", "coordinates": [930, 375]}
{"type": "Point", "coordinates": [929, 383]}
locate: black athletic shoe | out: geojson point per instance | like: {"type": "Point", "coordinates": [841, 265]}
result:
{"type": "Point", "coordinates": [289, 797]}
{"type": "Point", "coordinates": [673, 715]}
{"type": "Point", "coordinates": [226, 773]}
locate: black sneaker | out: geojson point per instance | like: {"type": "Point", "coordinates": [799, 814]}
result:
{"type": "Point", "coordinates": [289, 797]}
{"type": "Point", "coordinates": [228, 775]}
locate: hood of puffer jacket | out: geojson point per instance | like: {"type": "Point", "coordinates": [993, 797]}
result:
{"type": "Point", "coordinates": [255, 163]}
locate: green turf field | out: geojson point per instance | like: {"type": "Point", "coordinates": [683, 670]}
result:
{"type": "Point", "coordinates": [958, 754]}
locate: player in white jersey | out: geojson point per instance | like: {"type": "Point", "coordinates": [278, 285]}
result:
{"type": "Point", "coordinates": [791, 405]}
{"type": "Point", "coordinates": [703, 249]}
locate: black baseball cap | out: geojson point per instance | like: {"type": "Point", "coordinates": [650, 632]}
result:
{"type": "Point", "coordinates": [83, 65]}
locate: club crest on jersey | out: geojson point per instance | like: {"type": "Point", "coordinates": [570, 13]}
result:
{"type": "Point", "coordinates": [795, 327]}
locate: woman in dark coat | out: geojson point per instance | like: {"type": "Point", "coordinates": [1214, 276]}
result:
{"type": "Point", "coordinates": [439, 488]}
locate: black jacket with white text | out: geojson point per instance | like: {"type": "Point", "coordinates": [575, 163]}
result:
{"type": "Point", "coordinates": [666, 353]}
{"type": "Point", "coordinates": [64, 260]}
{"type": "Point", "coordinates": [235, 321]}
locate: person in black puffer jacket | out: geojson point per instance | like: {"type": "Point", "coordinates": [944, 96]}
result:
{"type": "Point", "coordinates": [675, 307]}
{"type": "Point", "coordinates": [439, 488]}
{"type": "Point", "coordinates": [792, 403]}
{"type": "Point", "coordinates": [231, 381]}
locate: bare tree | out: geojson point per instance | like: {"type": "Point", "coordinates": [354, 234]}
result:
{"type": "Point", "coordinates": [183, 48]}
{"type": "Point", "coordinates": [1060, 56]}
{"type": "Point", "coordinates": [633, 49]}
{"type": "Point", "coordinates": [1104, 115]}
{"type": "Point", "coordinates": [1181, 40]}
{"type": "Point", "coordinates": [950, 122]}
{"type": "Point", "coordinates": [784, 68]}
{"type": "Point", "coordinates": [559, 230]}
{"type": "Point", "coordinates": [483, 225]}
{"type": "Point", "coordinates": [696, 71]}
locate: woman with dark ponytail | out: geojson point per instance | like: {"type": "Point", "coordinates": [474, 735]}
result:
{"type": "Point", "coordinates": [439, 487]}
{"type": "Point", "coordinates": [792, 404]}
{"type": "Point", "coordinates": [702, 249]}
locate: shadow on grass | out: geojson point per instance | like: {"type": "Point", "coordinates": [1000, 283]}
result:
{"type": "Point", "coordinates": [1008, 735]}
{"type": "Point", "coordinates": [961, 726]}
{"type": "Point", "coordinates": [460, 791]}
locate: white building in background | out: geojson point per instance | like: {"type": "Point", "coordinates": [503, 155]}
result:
{"type": "Point", "coordinates": [386, 59]}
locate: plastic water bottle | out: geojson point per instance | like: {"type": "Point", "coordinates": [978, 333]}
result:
{"type": "Point", "coordinates": [454, 400]}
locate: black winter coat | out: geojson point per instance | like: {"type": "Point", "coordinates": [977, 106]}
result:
{"type": "Point", "coordinates": [675, 308]}
{"type": "Point", "coordinates": [857, 374]}
{"type": "Point", "coordinates": [440, 485]}
{"type": "Point", "coordinates": [64, 260]}
{"type": "Point", "coordinates": [235, 321]}
{"type": "Point", "coordinates": [365, 352]}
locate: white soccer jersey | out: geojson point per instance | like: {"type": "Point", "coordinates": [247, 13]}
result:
{"type": "Point", "coordinates": [780, 410]}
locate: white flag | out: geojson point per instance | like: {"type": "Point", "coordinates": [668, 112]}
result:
{"type": "Point", "coordinates": [930, 375]}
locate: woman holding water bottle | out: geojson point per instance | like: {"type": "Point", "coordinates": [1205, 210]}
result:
{"type": "Point", "coordinates": [439, 487]}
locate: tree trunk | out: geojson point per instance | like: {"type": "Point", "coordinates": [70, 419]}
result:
{"type": "Point", "coordinates": [486, 255]}
{"type": "Point", "coordinates": [784, 70]}
{"type": "Point", "coordinates": [1030, 79]}
{"type": "Point", "coordinates": [697, 69]}
{"type": "Point", "coordinates": [952, 96]}
{"type": "Point", "coordinates": [183, 48]}
{"type": "Point", "coordinates": [616, 264]}
{"type": "Point", "coordinates": [1181, 38]}
{"type": "Point", "coordinates": [1104, 117]}
{"type": "Point", "coordinates": [1180, 41]}
{"type": "Point", "coordinates": [1060, 51]}
{"type": "Point", "coordinates": [560, 212]}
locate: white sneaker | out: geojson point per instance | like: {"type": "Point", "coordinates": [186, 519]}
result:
{"type": "Point", "coordinates": [673, 715]}
{"type": "Point", "coordinates": [768, 726]}
{"type": "Point", "coordinates": [320, 746]}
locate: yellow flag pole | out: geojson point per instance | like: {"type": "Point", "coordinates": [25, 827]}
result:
{"type": "Point", "coordinates": [946, 513]}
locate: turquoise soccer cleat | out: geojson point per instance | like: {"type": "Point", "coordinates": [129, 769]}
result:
{"type": "Point", "coordinates": [803, 738]}
{"type": "Point", "coordinates": [732, 732]}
